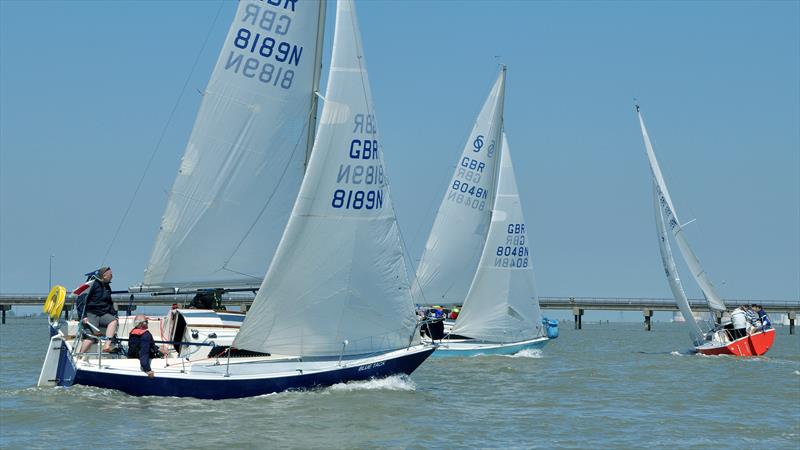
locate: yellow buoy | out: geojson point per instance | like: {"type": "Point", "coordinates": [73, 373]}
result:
{"type": "Point", "coordinates": [55, 301]}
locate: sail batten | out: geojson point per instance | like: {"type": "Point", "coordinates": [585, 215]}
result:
{"type": "Point", "coordinates": [673, 223]}
{"type": "Point", "coordinates": [240, 173]}
{"type": "Point", "coordinates": [338, 283]}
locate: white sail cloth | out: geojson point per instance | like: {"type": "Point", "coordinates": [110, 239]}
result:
{"type": "Point", "coordinates": [338, 283]}
{"type": "Point", "coordinates": [671, 270]}
{"type": "Point", "coordinates": [671, 218]}
{"type": "Point", "coordinates": [458, 235]}
{"type": "Point", "coordinates": [244, 161]}
{"type": "Point", "coordinates": [502, 305]}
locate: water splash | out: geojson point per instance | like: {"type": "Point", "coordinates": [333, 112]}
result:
{"type": "Point", "coordinates": [797, 372]}
{"type": "Point", "coordinates": [528, 353]}
{"type": "Point", "coordinates": [393, 383]}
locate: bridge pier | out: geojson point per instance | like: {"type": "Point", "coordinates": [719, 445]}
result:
{"type": "Point", "coordinates": [578, 313]}
{"type": "Point", "coordinates": [792, 316]}
{"type": "Point", "coordinates": [648, 314]}
{"type": "Point", "coordinates": [5, 308]}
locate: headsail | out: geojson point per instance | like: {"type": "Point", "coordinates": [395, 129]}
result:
{"type": "Point", "coordinates": [672, 271]}
{"type": "Point", "coordinates": [459, 231]}
{"type": "Point", "coordinates": [671, 218]}
{"type": "Point", "coordinates": [502, 305]}
{"type": "Point", "coordinates": [338, 282]}
{"type": "Point", "coordinates": [244, 162]}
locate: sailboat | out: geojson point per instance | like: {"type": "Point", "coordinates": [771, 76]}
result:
{"type": "Point", "coordinates": [335, 303]}
{"type": "Point", "coordinates": [477, 253]}
{"type": "Point", "coordinates": [711, 340]}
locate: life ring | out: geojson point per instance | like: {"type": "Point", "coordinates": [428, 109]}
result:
{"type": "Point", "coordinates": [55, 301]}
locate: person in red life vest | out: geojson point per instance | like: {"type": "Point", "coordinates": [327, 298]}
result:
{"type": "Point", "coordinates": [98, 309]}
{"type": "Point", "coordinates": [141, 345]}
{"type": "Point", "coordinates": [454, 313]}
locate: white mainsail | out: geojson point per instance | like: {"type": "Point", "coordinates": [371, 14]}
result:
{"type": "Point", "coordinates": [671, 218]}
{"type": "Point", "coordinates": [672, 271]}
{"type": "Point", "coordinates": [244, 161]}
{"type": "Point", "coordinates": [338, 282]}
{"type": "Point", "coordinates": [502, 305]}
{"type": "Point", "coordinates": [459, 231]}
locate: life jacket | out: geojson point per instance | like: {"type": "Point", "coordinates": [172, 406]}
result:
{"type": "Point", "coordinates": [135, 344]}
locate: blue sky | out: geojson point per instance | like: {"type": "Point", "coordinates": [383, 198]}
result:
{"type": "Point", "coordinates": [86, 89]}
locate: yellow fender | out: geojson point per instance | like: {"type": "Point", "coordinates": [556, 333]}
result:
{"type": "Point", "coordinates": [55, 301]}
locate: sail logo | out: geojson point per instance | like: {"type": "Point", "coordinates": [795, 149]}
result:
{"type": "Point", "coordinates": [477, 144]}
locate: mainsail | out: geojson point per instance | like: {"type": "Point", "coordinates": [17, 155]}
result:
{"type": "Point", "coordinates": [501, 305]}
{"type": "Point", "coordinates": [672, 271]}
{"type": "Point", "coordinates": [459, 231]}
{"type": "Point", "coordinates": [338, 283]}
{"type": "Point", "coordinates": [244, 161]}
{"type": "Point", "coordinates": [671, 218]}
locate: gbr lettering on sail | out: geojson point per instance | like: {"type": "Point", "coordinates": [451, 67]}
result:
{"type": "Point", "coordinates": [360, 181]}
{"type": "Point", "coordinates": [260, 47]}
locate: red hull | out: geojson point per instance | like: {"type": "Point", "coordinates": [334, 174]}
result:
{"type": "Point", "coordinates": [753, 345]}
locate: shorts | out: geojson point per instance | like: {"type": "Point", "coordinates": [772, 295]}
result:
{"type": "Point", "coordinates": [102, 321]}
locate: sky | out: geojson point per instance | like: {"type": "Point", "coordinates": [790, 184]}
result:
{"type": "Point", "coordinates": [88, 87]}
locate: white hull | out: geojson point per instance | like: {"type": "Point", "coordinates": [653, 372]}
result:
{"type": "Point", "coordinates": [471, 347]}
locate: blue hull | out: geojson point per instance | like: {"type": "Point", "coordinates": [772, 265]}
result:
{"type": "Point", "coordinates": [227, 387]}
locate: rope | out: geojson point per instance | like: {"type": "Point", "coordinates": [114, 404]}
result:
{"type": "Point", "coordinates": [160, 138]}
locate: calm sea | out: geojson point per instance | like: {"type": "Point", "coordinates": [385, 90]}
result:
{"type": "Point", "coordinates": [606, 386]}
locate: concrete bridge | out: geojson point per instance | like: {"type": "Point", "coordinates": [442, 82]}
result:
{"type": "Point", "coordinates": [578, 305]}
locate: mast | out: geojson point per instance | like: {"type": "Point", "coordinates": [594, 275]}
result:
{"type": "Point", "coordinates": [312, 122]}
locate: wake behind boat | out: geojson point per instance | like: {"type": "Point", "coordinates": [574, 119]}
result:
{"type": "Point", "coordinates": [735, 335]}
{"type": "Point", "coordinates": [477, 252]}
{"type": "Point", "coordinates": [338, 256]}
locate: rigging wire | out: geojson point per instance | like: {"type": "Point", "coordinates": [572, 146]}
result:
{"type": "Point", "coordinates": [161, 137]}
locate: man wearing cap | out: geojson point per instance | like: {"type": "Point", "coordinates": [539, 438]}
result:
{"type": "Point", "coordinates": [100, 310]}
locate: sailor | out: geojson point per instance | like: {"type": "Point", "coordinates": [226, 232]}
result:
{"type": "Point", "coordinates": [99, 308]}
{"type": "Point", "coordinates": [752, 318]}
{"type": "Point", "coordinates": [454, 313]}
{"type": "Point", "coordinates": [766, 324]}
{"type": "Point", "coordinates": [739, 323]}
{"type": "Point", "coordinates": [141, 345]}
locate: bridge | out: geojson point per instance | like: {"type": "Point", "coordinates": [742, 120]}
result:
{"type": "Point", "coordinates": [578, 305]}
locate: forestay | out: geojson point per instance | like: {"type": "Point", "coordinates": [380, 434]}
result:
{"type": "Point", "coordinates": [671, 270]}
{"type": "Point", "coordinates": [338, 282]}
{"type": "Point", "coordinates": [459, 231]}
{"type": "Point", "coordinates": [244, 161]}
{"type": "Point", "coordinates": [501, 305]}
{"type": "Point", "coordinates": [671, 218]}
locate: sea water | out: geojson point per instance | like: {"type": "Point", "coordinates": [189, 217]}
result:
{"type": "Point", "coordinates": [606, 386]}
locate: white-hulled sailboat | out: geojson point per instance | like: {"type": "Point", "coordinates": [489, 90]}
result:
{"type": "Point", "coordinates": [477, 252]}
{"type": "Point", "coordinates": [714, 340]}
{"type": "Point", "coordinates": [335, 304]}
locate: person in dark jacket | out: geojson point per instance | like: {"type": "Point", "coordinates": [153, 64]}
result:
{"type": "Point", "coordinates": [766, 324]}
{"type": "Point", "coordinates": [141, 345]}
{"type": "Point", "coordinates": [99, 308]}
